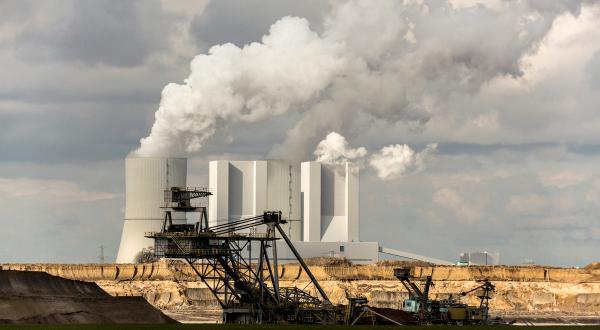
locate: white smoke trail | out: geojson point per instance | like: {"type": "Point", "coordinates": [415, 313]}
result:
{"type": "Point", "coordinates": [390, 163]}
{"type": "Point", "coordinates": [231, 84]}
{"type": "Point", "coordinates": [334, 149]}
{"type": "Point", "coordinates": [394, 61]}
{"type": "Point", "coordinates": [394, 161]}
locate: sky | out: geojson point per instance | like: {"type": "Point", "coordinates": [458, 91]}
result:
{"type": "Point", "coordinates": [479, 119]}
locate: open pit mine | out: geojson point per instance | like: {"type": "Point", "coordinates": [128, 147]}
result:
{"type": "Point", "coordinates": [529, 295]}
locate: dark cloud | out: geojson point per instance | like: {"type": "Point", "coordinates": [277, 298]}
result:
{"type": "Point", "coordinates": [115, 33]}
{"type": "Point", "coordinates": [78, 133]}
{"type": "Point", "coordinates": [242, 22]}
{"type": "Point", "coordinates": [15, 11]}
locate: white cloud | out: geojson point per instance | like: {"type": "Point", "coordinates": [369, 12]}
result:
{"type": "Point", "coordinates": [450, 199]}
{"type": "Point", "coordinates": [394, 161]}
{"type": "Point", "coordinates": [35, 191]}
{"type": "Point", "coordinates": [562, 179]}
{"type": "Point", "coordinates": [534, 204]}
{"type": "Point", "coordinates": [487, 120]}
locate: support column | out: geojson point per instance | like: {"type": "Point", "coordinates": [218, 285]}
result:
{"type": "Point", "coordinates": [218, 205]}
{"type": "Point", "coordinates": [311, 197]}
{"type": "Point", "coordinates": [352, 210]}
{"type": "Point", "coordinates": [259, 198]}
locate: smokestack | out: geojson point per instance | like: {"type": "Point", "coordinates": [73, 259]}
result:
{"type": "Point", "coordinates": [146, 178]}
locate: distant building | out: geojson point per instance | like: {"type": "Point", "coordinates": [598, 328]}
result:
{"type": "Point", "coordinates": [479, 258]}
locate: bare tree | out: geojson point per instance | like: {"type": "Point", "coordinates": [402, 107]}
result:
{"type": "Point", "coordinates": [146, 255]}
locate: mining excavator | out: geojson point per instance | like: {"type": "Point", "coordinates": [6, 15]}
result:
{"type": "Point", "coordinates": [238, 264]}
{"type": "Point", "coordinates": [237, 261]}
{"type": "Point", "coordinates": [448, 311]}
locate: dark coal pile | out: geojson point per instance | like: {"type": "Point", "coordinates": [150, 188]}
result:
{"type": "Point", "coordinates": [36, 297]}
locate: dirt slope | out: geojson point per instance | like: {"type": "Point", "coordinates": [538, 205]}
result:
{"type": "Point", "coordinates": [36, 297]}
{"type": "Point", "coordinates": [173, 287]}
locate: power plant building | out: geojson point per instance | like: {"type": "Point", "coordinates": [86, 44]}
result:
{"type": "Point", "coordinates": [330, 202]}
{"type": "Point", "coordinates": [146, 178]}
{"type": "Point", "coordinates": [319, 201]}
{"type": "Point", "coordinates": [479, 258]}
{"type": "Point", "coordinates": [242, 189]}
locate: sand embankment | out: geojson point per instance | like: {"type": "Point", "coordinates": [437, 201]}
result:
{"type": "Point", "coordinates": [173, 270]}
{"type": "Point", "coordinates": [37, 297]}
{"type": "Point", "coordinates": [171, 285]}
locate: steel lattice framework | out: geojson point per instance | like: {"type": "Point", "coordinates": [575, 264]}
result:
{"type": "Point", "coordinates": [221, 256]}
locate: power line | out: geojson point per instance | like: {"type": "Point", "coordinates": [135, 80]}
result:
{"type": "Point", "coordinates": [101, 256]}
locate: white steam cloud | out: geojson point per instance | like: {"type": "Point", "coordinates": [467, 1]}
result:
{"type": "Point", "coordinates": [231, 84]}
{"type": "Point", "coordinates": [334, 149]}
{"type": "Point", "coordinates": [390, 61]}
{"type": "Point", "coordinates": [394, 161]}
{"type": "Point", "coordinates": [390, 163]}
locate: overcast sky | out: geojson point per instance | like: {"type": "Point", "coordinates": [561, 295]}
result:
{"type": "Point", "coordinates": [510, 92]}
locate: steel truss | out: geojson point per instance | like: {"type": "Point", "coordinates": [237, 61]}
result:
{"type": "Point", "coordinates": [222, 257]}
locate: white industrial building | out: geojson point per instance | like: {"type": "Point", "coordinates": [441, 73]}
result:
{"type": "Point", "coordinates": [243, 189]}
{"type": "Point", "coordinates": [330, 202]}
{"type": "Point", "coordinates": [479, 258]}
{"type": "Point", "coordinates": [320, 203]}
{"type": "Point", "coordinates": [146, 178]}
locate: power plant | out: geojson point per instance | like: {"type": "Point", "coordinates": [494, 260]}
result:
{"type": "Point", "coordinates": [260, 213]}
{"type": "Point", "coordinates": [239, 248]}
{"type": "Point", "coordinates": [319, 203]}
{"type": "Point", "coordinates": [220, 253]}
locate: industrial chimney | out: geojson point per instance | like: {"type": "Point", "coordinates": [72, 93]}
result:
{"type": "Point", "coordinates": [146, 178]}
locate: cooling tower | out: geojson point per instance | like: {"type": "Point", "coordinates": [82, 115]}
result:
{"type": "Point", "coordinates": [145, 181]}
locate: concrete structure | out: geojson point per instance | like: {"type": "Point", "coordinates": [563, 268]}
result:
{"type": "Point", "coordinates": [145, 182]}
{"type": "Point", "coordinates": [244, 189]}
{"type": "Point", "coordinates": [319, 201]}
{"type": "Point", "coordinates": [330, 202]}
{"type": "Point", "coordinates": [479, 258]}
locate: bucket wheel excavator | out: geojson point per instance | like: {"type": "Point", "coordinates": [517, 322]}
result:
{"type": "Point", "coordinates": [238, 264]}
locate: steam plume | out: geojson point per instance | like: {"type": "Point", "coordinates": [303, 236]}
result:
{"type": "Point", "coordinates": [391, 162]}
{"type": "Point", "coordinates": [334, 149]}
{"type": "Point", "coordinates": [393, 61]}
{"type": "Point", "coordinates": [230, 84]}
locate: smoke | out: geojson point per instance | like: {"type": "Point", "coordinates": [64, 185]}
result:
{"type": "Point", "coordinates": [390, 163]}
{"type": "Point", "coordinates": [334, 150]}
{"type": "Point", "coordinates": [389, 61]}
{"type": "Point", "coordinates": [394, 161]}
{"type": "Point", "coordinates": [231, 84]}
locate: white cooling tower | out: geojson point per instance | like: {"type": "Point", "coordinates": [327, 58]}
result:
{"type": "Point", "coordinates": [145, 181]}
